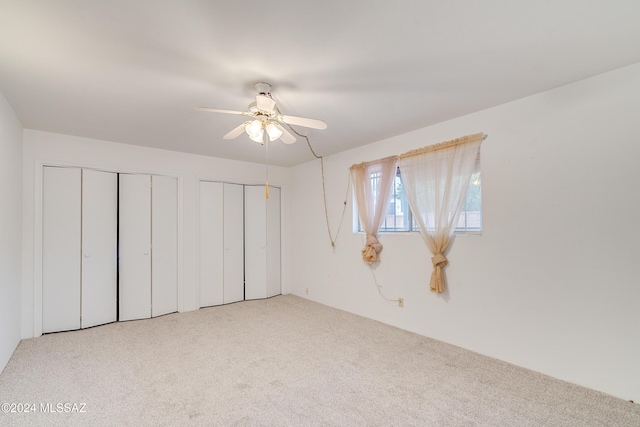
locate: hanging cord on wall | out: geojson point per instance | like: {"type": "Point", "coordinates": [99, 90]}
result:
{"type": "Point", "coordinates": [324, 190]}
{"type": "Point", "coordinates": [379, 287]}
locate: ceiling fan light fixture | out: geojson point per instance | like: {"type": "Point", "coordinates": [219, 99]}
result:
{"type": "Point", "coordinates": [255, 131]}
{"type": "Point", "coordinates": [273, 131]}
{"type": "Point", "coordinates": [259, 138]}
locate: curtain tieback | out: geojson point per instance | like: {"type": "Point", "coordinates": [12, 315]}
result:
{"type": "Point", "coordinates": [372, 249]}
{"type": "Point", "coordinates": [439, 260]}
{"type": "Point", "coordinates": [437, 279]}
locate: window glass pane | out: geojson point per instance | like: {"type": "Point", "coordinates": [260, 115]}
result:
{"type": "Point", "coordinates": [399, 218]}
{"type": "Point", "coordinates": [397, 215]}
{"type": "Point", "coordinates": [471, 215]}
{"type": "Point", "coordinates": [375, 183]}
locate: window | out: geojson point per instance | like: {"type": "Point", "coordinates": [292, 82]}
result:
{"type": "Point", "coordinates": [470, 220]}
{"type": "Point", "coordinates": [400, 219]}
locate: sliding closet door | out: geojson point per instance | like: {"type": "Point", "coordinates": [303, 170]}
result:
{"type": "Point", "coordinates": [211, 244]}
{"type": "Point", "coordinates": [262, 242]}
{"type": "Point", "coordinates": [274, 279]}
{"type": "Point", "coordinates": [233, 236]}
{"type": "Point", "coordinates": [61, 249]}
{"type": "Point", "coordinates": [164, 239]}
{"type": "Point", "coordinates": [255, 227]}
{"type": "Point", "coordinates": [99, 238]}
{"type": "Point", "coordinates": [135, 247]}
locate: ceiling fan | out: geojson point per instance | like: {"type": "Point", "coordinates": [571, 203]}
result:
{"type": "Point", "coordinates": [265, 116]}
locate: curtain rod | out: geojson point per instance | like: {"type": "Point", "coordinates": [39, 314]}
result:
{"type": "Point", "coordinates": [419, 150]}
{"type": "Point", "coordinates": [435, 147]}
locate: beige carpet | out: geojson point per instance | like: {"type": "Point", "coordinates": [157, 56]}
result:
{"type": "Point", "coordinates": [282, 362]}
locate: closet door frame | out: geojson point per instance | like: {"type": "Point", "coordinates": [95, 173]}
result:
{"type": "Point", "coordinates": [34, 311]}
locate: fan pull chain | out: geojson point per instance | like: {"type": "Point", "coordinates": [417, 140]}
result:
{"type": "Point", "coordinates": [266, 167]}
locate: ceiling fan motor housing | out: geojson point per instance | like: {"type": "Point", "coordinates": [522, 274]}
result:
{"type": "Point", "coordinates": [263, 88]}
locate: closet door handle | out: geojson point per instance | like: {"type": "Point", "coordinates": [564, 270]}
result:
{"type": "Point", "coordinates": [146, 252]}
{"type": "Point", "coordinates": [86, 255]}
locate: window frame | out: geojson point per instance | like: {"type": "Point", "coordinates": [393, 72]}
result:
{"type": "Point", "coordinates": [412, 229]}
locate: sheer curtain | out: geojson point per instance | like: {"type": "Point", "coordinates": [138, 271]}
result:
{"type": "Point", "coordinates": [435, 180]}
{"type": "Point", "coordinates": [372, 184]}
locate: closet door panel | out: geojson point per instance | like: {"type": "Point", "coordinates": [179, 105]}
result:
{"type": "Point", "coordinates": [255, 243]}
{"type": "Point", "coordinates": [211, 244]}
{"type": "Point", "coordinates": [164, 242]}
{"type": "Point", "coordinates": [273, 243]}
{"type": "Point", "coordinates": [61, 231]}
{"type": "Point", "coordinates": [233, 236]}
{"type": "Point", "coordinates": [134, 247]}
{"type": "Point", "coordinates": [99, 238]}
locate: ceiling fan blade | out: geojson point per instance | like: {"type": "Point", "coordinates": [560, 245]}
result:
{"type": "Point", "coordinates": [217, 110]}
{"type": "Point", "coordinates": [265, 103]}
{"type": "Point", "coordinates": [235, 132]}
{"type": "Point", "coordinates": [286, 137]}
{"type": "Point", "coordinates": [302, 121]}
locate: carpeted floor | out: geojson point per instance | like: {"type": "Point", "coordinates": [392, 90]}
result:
{"type": "Point", "coordinates": [283, 361]}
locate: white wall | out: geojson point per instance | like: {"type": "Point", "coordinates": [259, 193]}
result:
{"type": "Point", "coordinates": [553, 283]}
{"type": "Point", "coordinates": [10, 230]}
{"type": "Point", "coordinates": [48, 148]}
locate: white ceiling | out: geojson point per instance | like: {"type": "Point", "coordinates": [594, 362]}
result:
{"type": "Point", "coordinates": [131, 71]}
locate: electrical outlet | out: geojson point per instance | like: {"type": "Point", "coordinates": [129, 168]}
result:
{"type": "Point", "coordinates": [401, 302]}
{"type": "Point", "coordinates": [306, 291]}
